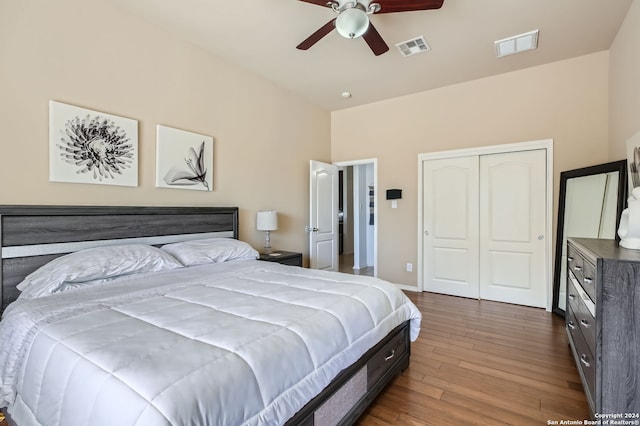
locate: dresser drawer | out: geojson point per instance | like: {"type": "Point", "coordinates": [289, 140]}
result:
{"type": "Point", "coordinates": [386, 357]}
{"type": "Point", "coordinates": [589, 279]}
{"type": "Point", "coordinates": [293, 261]}
{"type": "Point", "coordinates": [583, 356]}
{"type": "Point", "coordinates": [583, 270]}
{"type": "Point", "coordinates": [575, 263]}
{"type": "Point", "coordinates": [584, 320]}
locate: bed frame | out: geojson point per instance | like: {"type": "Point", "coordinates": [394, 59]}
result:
{"type": "Point", "coordinates": [31, 236]}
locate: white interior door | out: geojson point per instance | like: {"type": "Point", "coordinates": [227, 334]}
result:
{"type": "Point", "coordinates": [512, 227]}
{"type": "Point", "coordinates": [323, 216]}
{"type": "Point", "coordinates": [450, 197]}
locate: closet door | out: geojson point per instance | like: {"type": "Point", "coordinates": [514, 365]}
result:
{"type": "Point", "coordinates": [512, 227]}
{"type": "Point", "coordinates": [450, 209]}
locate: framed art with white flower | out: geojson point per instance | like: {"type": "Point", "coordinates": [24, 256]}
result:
{"type": "Point", "coordinates": [87, 146]}
{"type": "Point", "coordinates": [184, 159]}
{"type": "Point", "coordinates": [633, 161]}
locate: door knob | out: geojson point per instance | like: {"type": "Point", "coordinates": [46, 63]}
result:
{"type": "Point", "coordinates": [540, 237]}
{"type": "Point", "coordinates": [310, 228]}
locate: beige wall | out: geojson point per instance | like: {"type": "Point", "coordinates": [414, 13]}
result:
{"type": "Point", "coordinates": [93, 55]}
{"type": "Point", "coordinates": [565, 101]}
{"type": "Point", "coordinates": [624, 83]}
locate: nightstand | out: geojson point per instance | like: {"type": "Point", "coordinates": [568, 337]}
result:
{"type": "Point", "coordinates": [283, 257]}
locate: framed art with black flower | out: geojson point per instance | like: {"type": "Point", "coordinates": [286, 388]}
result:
{"type": "Point", "coordinates": [184, 160]}
{"type": "Point", "coordinates": [87, 146]}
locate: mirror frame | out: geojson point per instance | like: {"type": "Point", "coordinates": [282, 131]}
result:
{"type": "Point", "coordinates": [614, 166]}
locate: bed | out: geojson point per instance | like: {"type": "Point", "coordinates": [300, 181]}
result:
{"type": "Point", "coordinates": [214, 342]}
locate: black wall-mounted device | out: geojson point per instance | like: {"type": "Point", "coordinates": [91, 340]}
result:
{"type": "Point", "coordinates": [394, 194]}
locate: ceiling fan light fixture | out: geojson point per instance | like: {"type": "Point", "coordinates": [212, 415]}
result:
{"type": "Point", "coordinates": [352, 22]}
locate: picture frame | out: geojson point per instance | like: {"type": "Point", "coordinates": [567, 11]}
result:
{"type": "Point", "coordinates": [184, 160]}
{"type": "Point", "coordinates": [633, 161]}
{"type": "Point", "coordinates": [87, 146]}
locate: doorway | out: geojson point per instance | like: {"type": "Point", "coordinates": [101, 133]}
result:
{"type": "Point", "coordinates": [357, 219]}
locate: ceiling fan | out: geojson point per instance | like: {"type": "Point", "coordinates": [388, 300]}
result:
{"type": "Point", "coordinates": [353, 19]}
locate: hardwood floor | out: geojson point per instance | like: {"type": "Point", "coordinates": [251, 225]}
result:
{"type": "Point", "coordinates": [483, 363]}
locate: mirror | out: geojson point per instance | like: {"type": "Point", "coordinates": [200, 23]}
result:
{"type": "Point", "coordinates": [590, 205]}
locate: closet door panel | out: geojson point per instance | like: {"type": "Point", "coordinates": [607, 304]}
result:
{"type": "Point", "coordinates": [451, 226]}
{"type": "Point", "coordinates": [512, 227]}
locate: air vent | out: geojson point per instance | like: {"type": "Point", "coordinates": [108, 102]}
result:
{"type": "Point", "coordinates": [413, 46]}
{"type": "Point", "coordinates": [517, 44]}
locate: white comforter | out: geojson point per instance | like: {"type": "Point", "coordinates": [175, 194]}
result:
{"type": "Point", "coordinates": [240, 343]}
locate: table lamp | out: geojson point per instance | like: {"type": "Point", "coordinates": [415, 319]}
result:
{"type": "Point", "coordinates": [267, 220]}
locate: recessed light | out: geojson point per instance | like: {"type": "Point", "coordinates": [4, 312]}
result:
{"type": "Point", "coordinates": [346, 95]}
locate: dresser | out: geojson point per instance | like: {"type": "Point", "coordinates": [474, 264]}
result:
{"type": "Point", "coordinates": [603, 323]}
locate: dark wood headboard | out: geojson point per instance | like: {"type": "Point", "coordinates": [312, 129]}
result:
{"type": "Point", "coordinates": [31, 236]}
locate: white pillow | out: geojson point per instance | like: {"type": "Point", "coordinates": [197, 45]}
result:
{"type": "Point", "coordinates": [211, 250]}
{"type": "Point", "coordinates": [95, 265]}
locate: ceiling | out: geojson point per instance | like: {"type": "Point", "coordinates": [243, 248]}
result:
{"type": "Point", "coordinates": [262, 35]}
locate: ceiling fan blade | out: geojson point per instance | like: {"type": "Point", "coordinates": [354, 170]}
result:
{"type": "Point", "coordinates": [318, 2]}
{"type": "Point", "coordinates": [315, 37]}
{"type": "Point", "coordinates": [391, 6]}
{"type": "Point", "coordinates": [375, 41]}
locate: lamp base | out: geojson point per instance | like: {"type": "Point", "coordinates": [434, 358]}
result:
{"type": "Point", "coordinates": [267, 242]}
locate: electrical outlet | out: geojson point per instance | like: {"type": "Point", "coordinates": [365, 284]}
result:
{"type": "Point", "coordinates": [409, 267]}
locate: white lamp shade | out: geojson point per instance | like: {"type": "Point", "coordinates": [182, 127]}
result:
{"type": "Point", "coordinates": [352, 23]}
{"type": "Point", "coordinates": [267, 220]}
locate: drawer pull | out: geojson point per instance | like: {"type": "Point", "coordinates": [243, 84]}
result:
{"type": "Point", "coordinates": [577, 268]}
{"type": "Point", "coordinates": [572, 296]}
{"type": "Point", "coordinates": [585, 323]}
{"type": "Point", "coordinates": [584, 360]}
{"type": "Point", "coordinates": [588, 280]}
{"type": "Point", "coordinates": [391, 355]}
{"type": "Point", "coordinates": [571, 325]}
{"type": "Point", "coordinates": [569, 259]}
